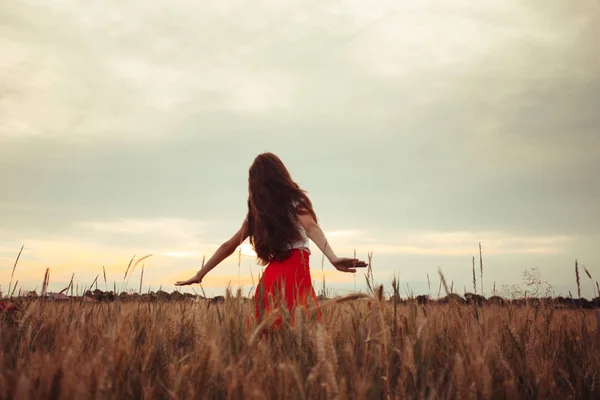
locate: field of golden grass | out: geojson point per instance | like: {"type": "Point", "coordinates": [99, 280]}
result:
{"type": "Point", "coordinates": [363, 348]}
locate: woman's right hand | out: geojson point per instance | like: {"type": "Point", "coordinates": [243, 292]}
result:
{"type": "Point", "coordinates": [195, 279]}
{"type": "Point", "coordinates": [347, 264]}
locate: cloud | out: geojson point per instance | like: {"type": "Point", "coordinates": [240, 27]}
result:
{"type": "Point", "coordinates": [171, 229]}
{"type": "Point", "coordinates": [346, 234]}
{"type": "Point", "coordinates": [132, 73]}
{"type": "Point", "coordinates": [110, 244]}
{"type": "Point", "coordinates": [422, 251]}
{"type": "Point", "coordinates": [461, 243]}
{"type": "Point", "coordinates": [156, 72]}
{"type": "Point", "coordinates": [247, 250]}
{"type": "Point", "coordinates": [161, 235]}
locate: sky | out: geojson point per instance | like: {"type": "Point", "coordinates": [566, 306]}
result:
{"type": "Point", "coordinates": [418, 129]}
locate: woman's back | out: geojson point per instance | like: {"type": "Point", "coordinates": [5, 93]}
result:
{"type": "Point", "coordinates": [303, 242]}
{"type": "Point", "coordinates": [274, 203]}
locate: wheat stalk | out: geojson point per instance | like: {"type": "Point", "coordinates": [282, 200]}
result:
{"type": "Point", "coordinates": [14, 268]}
{"type": "Point", "coordinates": [69, 285]}
{"type": "Point", "coordinates": [14, 288]}
{"type": "Point", "coordinates": [104, 272]}
{"type": "Point", "coordinates": [128, 266]}
{"type": "Point", "coordinates": [474, 282]}
{"type": "Point", "coordinates": [481, 269]}
{"type": "Point", "coordinates": [142, 278]}
{"type": "Point", "coordinates": [443, 280]}
{"type": "Point", "coordinates": [577, 278]}
{"type": "Point", "coordinates": [45, 282]}
{"type": "Point", "coordinates": [139, 261]}
{"type": "Point", "coordinates": [429, 284]}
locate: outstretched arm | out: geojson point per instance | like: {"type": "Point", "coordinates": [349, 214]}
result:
{"type": "Point", "coordinates": [224, 251]}
{"type": "Point", "coordinates": [314, 233]}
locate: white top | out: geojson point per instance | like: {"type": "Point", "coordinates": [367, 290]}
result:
{"type": "Point", "coordinates": [304, 243]}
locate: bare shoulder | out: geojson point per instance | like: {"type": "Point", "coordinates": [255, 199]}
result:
{"type": "Point", "coordinates": [306, 220]}
{"type": "Point", "coordinates": [301, 206]}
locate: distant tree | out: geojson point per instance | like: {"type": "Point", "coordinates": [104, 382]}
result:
{"type": "Point", "coordinates": [533, 286]}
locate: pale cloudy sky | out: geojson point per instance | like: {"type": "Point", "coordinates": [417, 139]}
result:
{"type": "Point", "coordinates": [419, 128]}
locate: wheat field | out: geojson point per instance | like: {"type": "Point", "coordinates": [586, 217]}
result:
{"type": "Point", "coordinates": [363, 348]}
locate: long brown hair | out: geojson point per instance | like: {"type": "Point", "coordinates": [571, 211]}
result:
{"type": "Point", "coordinates": [272, 219]}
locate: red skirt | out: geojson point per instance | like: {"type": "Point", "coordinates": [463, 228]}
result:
{"type": "Point", "coordinates": [286, 284]}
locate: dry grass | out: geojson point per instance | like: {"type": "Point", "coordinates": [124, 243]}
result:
{"type": "Point", "coordinates": [364, 348]}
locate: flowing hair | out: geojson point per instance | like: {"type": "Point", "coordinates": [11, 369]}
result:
{"type": "Point", "coordinates": [272, 217]}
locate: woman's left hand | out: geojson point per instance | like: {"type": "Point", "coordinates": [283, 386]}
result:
{"type": "Point", "coordinates": [347, 264]}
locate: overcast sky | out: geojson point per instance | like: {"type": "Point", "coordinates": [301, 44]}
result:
{"type": "Point", "coordinates": [418, 129]}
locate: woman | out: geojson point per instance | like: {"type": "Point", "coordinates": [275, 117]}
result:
{"type": "Point", "coordinates": [280, 222]}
